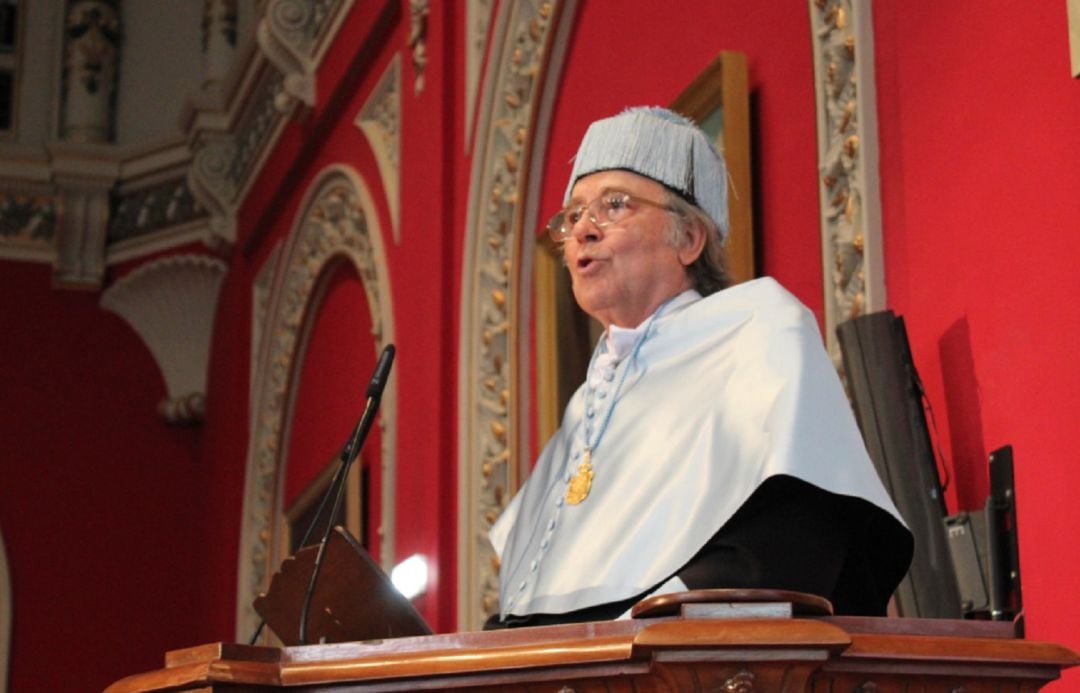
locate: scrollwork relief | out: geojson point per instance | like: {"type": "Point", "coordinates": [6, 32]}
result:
{"type": "Point", "coordinates": [141, 212]}
{"type": "Point", "coordinates": [495, 231]}
{"type": "Point", "coordinates": [847, 161]}
{"type": "Point", "coordinates": [742, 682]}
{"type": "Point", "coordinates": [27, 219]}
{"type": "Point", "coordinates": [91, 55]}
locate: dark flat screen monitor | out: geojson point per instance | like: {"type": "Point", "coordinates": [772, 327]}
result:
{"type": "Point", "coordinates": [888, 401]}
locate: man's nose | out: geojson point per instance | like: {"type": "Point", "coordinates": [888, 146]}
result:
{"type": "Point", "coordinates": [586, 228]}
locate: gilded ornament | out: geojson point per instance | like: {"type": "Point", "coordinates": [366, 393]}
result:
{"type": "Point", "coordinates": [742, 682]}
{"type": "Point", "coordinates": [851, 145]}
{"type": "Point", "coordinates": [845, 120]}
{"type": "Point", "coordinates": [581, 483]}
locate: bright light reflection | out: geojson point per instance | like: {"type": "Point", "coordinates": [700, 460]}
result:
{"type": "Point", "coordinates": [410, 576]}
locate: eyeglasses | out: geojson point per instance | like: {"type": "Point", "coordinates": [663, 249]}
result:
{"type": "Point", "coordinates": [610, 208]}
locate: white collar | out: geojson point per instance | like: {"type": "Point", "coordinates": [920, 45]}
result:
{"type": "Point", "coordinates": [620, 340]}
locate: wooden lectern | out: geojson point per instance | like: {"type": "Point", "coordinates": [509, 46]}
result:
{"type": "Point", "coordinates": [691, 643]}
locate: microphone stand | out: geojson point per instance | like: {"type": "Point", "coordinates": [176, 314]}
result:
{"type": "Point", "coordinates": [337, 484]}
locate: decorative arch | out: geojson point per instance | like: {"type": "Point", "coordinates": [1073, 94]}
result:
{"type": "Point", "coordinates": [337, 222]}
{"type": "Point", "coordinates": [526, 52]}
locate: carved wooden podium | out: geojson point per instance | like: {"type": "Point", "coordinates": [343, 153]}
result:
{"type": "Point", "coordinates": [690, 647]}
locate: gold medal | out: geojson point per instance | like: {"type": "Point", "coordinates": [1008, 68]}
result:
{"type": "Point", "coordinates": [581, 483]}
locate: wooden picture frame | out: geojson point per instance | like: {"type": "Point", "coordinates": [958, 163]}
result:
{"type": "Point", "coordinates": [1073, 8]}
{"type": "Point", "coordinates": [718, 100]}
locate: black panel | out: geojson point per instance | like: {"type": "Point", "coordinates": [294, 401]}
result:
{"type": "Point", "coordinates": [888, 405]}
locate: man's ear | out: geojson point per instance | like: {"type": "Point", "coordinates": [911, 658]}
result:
{"type": "Point", "coordinates": [693, 244]}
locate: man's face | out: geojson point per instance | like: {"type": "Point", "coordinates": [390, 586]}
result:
{"type": "Point", "coordinates": [623, 272]}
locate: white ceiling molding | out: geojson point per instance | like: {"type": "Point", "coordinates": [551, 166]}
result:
{"type": "Point", "coordinates": [171, 304]}
{"type": "Point", "coordinates": [380, 121]}
{"type": "Point", "coordinates": [851, 245]}
{"type": "Point", "coordinates": [99, 203]}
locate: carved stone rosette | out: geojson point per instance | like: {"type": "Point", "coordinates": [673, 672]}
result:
{"type": "Point", "coordinates": [491, 274]}
{"type": "Point", "coordinates": [847, 151]}
{"type": "Point", "coordinates": [336, 222]}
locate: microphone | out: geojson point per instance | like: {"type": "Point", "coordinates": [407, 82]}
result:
{"type": "Point", "coordinates": [348, 453]}
{"type": "Point", "coordinates": [382, 373]}
{"type": "Point", "coordinates": [374, 397]}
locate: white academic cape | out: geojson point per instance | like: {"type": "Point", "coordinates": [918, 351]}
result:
{"type": "Point", "coordinates": [724, 392]}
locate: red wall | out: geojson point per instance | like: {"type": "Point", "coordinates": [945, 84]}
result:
{"type": "Point", "coordinates": [422, 272]}
{"type": "Point", "coordinates": [979, 140]}
{"type": "Point", "coordinates": [131, 527]}
{"type": "Point", "coordinates": [330, 385]}
{"type": "Point", "coordinates": [978, 147]}
{"type": "Point", "coordinates": [655, 52]}
{"type": "Point", "coordinates": [99, 497]}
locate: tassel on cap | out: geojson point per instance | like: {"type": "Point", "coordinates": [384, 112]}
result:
{"type": "Point", "coordinates": [662, 145]}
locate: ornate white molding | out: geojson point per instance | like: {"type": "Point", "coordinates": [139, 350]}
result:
{"type": "Point", "coordinates": [380, 121]}
{"type": "Point", "coordinates": [28, 221]}
{"type": "Point", "coordinates": [82, 202]}
{"type": "Point", "coordinates": [171, 304]}
{"type": "Point", "coordinates": [213, 183]}
{"type": "Point", "coordinates": [418, 21]}
{"type": "Point", "coordinates": [489, 389]}
{"type": "Point", "coordinates": [282, 35]}
{"type": "Point", "coordinates": [337, 222]}
{"type": "Point", "coordinates": [848, 162]}
{"type": "Point", "coordinates": [92, 42]}
{"type": "Point", "coordinates": [82, 175]}
{"type": "Point", "coordinates": [290, 36]}
{"type": "Point", "coordinates": [219, 27]}
{"type": "Point", "coordinates": [477, 25]}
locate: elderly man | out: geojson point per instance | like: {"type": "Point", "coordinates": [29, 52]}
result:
{"type": "Point", "coordinates": [711, 444]}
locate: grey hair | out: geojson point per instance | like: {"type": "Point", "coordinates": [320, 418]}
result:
{"type": "Point", "coordinates": [709, 271]}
